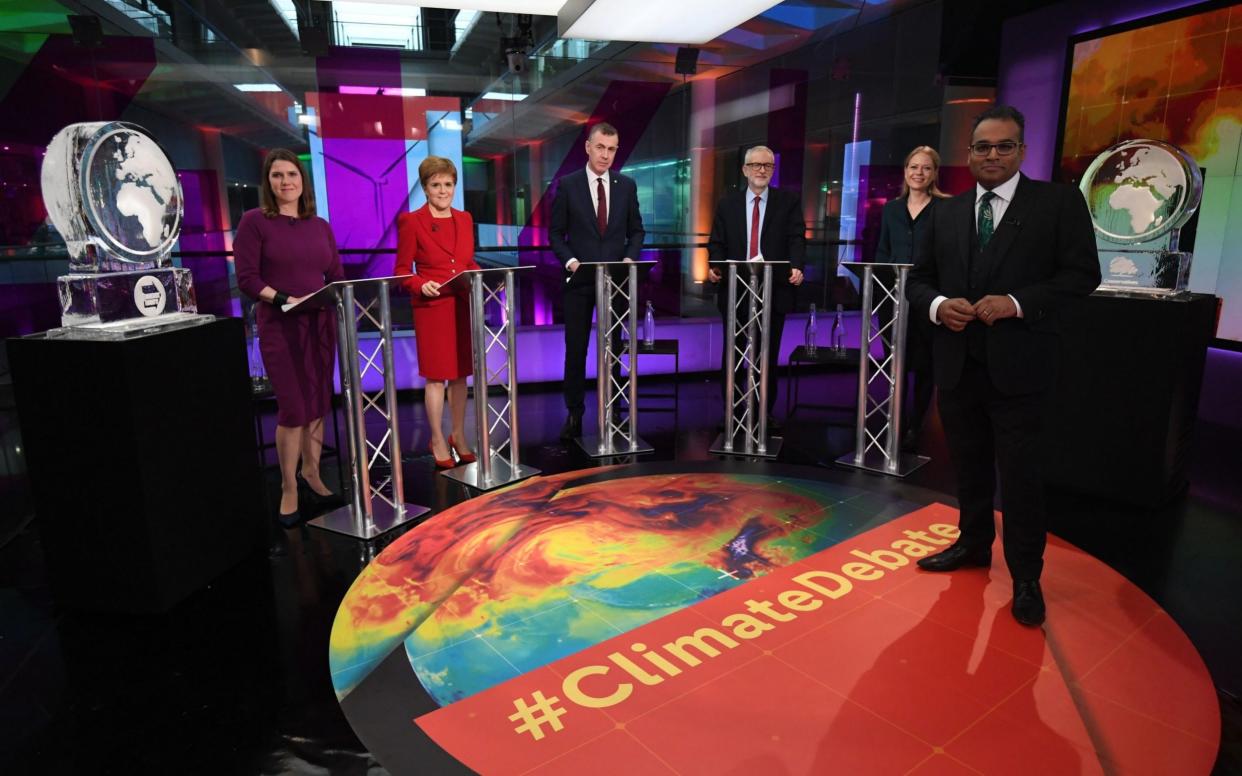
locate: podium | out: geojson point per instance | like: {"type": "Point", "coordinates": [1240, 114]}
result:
{"type": "Point", "coordinates": [749, 284]}
{"type": "Point", "coordinates": [881, 451]}
{"type": "Point", "coordinates": [376, 493]}
{"type": "Point", "coordinates": [613, 438]}
{"type": "Point", "coordinates": [498, 464]}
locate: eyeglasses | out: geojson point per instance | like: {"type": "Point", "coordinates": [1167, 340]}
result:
{"type": "Point", "coordinates": [764, 166]}
{"type": "Point", "coordinates": [1003, 148]}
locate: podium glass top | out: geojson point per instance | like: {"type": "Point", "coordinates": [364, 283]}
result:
{"type": "Point", "coordinates": [619, 263]}
{"type": "Point", "coordinates": [874, 264]}
{"type": "Point", "coordinates": [326, 296]}
{"type": "Point", "coordinates": [748, 261]}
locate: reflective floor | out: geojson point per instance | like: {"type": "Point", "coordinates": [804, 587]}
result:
{"type": "Point", "coordinates": [235, 679]}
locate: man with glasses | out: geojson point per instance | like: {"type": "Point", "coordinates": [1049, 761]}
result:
{"type": "Point", "coordinates": [760, 222]}
{"type": "Point", "coordinates": [996, 265]}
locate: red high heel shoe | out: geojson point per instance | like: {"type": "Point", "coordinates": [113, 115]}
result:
{"type": "Point", "coordinates": [447, 463]}
{"type": "Point", "coordinates": [466, 457]}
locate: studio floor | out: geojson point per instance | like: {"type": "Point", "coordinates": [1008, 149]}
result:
{"type": "Point", "coordinates": [243, 676]}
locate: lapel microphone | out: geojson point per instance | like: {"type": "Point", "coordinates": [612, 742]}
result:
{"type": "Point", "coordinates": [435, 227]}
{"type": "Point", "coordinates": [292, 221]}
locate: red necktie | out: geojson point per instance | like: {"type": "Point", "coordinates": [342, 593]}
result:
{"type": "Point", "coordinates": [601, 206]}
{"type": "Point", "coordinates": [754, 232]}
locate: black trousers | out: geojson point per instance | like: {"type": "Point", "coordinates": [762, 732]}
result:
{"type": "Point", "coordinates": [989, 432]}
{"type": "Point", "coordinates": [777, 323]}
{"type": "Point", "coordinates": [579, 305]}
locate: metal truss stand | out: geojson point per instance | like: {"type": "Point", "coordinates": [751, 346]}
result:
{"type": "Point", "coordinates": [614, 438]}
{"type": "Point", "coordinates": [377, 500]}
{"type": "Point", "coordinates": [746, 406]}
{"type": "Point", "coordinates": [881, 451]}
{"type": "Point", "coordinates": [499, 456]}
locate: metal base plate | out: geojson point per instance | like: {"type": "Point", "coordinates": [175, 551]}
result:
{"type": "Point", "coordinates": [770, 450]}
{"type": "Point", "coordinates": [383, 519]}
{"type": "Point", "coordinates": [502, 474]}
{"type": "Point", "coordinates": [875, 461]}
{"type": "Point", "coordinates": [594, 447]}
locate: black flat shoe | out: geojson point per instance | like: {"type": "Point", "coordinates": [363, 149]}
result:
{"type": "Point", "coordinates": [1028, 602]}
{"type": "Point", "coordinates": [956, 557]}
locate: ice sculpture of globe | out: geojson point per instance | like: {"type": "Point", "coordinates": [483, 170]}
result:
{"type": "Point", "coordinates": [134, 192]}
{"type": "Point", "coordinates": [113, 194]}
{"type": "Point", "coordinates": [1140, 190]}
{"type": "Point", "coordinates": [1140, 194]}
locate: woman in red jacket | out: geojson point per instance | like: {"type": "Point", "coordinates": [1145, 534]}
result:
{"type": "Point", "coordinates": [436, 243]}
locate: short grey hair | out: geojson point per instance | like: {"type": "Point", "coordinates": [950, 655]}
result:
{"type": "Point", "coordinates": [754, 150]}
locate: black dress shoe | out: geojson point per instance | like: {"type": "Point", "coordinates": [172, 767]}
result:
{"type": "Point", "coordinates": [572, 428]}
{"type": "Point", "coordinates": [1028, 602]}
{"type": "Point", "coordinates": [955, 558]}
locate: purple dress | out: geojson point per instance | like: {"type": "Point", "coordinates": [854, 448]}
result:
{"type": "Point", "coordinates": [298, 257]}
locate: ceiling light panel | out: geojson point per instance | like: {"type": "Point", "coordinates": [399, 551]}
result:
{"type": "Point", "coordinates": [686, 22]}
{"type": "Point", "coordinates": [541, 7]}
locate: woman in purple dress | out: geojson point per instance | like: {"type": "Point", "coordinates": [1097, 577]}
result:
{"type": "Point", "coordinates": [283, 252]}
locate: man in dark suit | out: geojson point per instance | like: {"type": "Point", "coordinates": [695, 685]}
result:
{"type": "Point", "coordinates": [760, 222]}
{"type": "Point", "coordinates": [997, 263]}
{"type": "Point", "coordinates": [594, 218]}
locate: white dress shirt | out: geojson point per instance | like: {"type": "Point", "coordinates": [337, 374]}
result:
{"type": "Point", "coordinates": [593, 187]}
{"type": "Point", "coordinates": [1000, 203]}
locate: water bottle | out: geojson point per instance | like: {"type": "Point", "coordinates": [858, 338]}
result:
{"type": "Point", "coordinates": [649, 327]}
{"type": "Point", "coordinates": [811, 331]}
{"type": "Point", "coordinates": [838, 332]}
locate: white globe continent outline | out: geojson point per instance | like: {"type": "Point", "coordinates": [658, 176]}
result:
{"type": "Point", "coordinates": [157, 179]}
{"type": "Point", "coordinates": [1147, 174]}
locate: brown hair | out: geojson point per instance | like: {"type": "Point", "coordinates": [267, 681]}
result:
{"type": "Point", "coordinates": [602, 128]}
{"type": "Point", "coordinates": [436, 165]}
{"type": "Point", "coordinates": [267, 197]}
{"type": "Point", "coordinates": [934, 188]}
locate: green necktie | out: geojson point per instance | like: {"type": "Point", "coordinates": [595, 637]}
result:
{"type": "Point", "coordinates": [986, 225]}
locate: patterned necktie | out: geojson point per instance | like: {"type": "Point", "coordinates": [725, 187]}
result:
{"type": "Point", "coordinates": [754, 232]}
{"type": "Point", "coordinates": [601, 206]}
{"type": "Point", "coordinates": [986, 225]}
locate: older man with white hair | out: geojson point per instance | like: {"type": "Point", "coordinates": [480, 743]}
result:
{"type": "Point", "coordinates": [760, 222]}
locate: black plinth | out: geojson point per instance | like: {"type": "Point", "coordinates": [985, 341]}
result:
{"type": "Point", "coordinates": [1127, 393]}
{"type": "Point", "coordinates": [141, 457]}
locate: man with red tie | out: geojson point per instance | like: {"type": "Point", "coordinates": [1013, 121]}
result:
{"type": "Point", "coordinates": [760, 222]}
{"type": "Point", "coordinates": [594, 218]}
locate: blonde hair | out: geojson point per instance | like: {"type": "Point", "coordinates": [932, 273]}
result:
{"type": "Point", "coordinates": [436, 165]}
{"type": "Point", "coordinates": [267, 197]}
{"type": "Point", "coordinates": [934, 188]}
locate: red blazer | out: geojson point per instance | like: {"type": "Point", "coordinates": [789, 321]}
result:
{"type": "Point", "coordinates": [419, 252]}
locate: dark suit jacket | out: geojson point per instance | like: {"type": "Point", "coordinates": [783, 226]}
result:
{"type": "Point", "coordinates": [1042, 252]}
{"type": "Point", "coordinates": [573, 232]}
{"type": "Point", "coordinates": [782, 238]}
